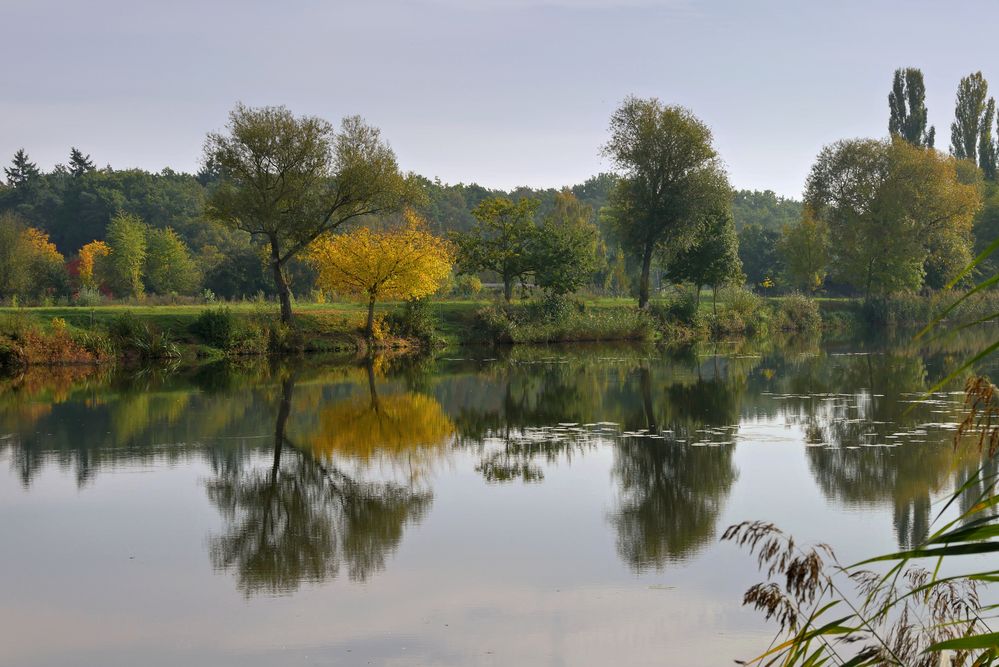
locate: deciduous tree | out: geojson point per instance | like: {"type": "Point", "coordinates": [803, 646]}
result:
{"type": "Point", "coordinates": [126, 237]}
{"type": "Point", "coordinates": [887, 205]}
{"type": "Point", "coordinates": [503, 240]}
{"type": "Point", "coordinates": [805, 247]}
{"type": "Point", "coordinates": [169, 265]}
{"type": "Point", "coordinates": [966, 132]}
{"type": "Point", "coordinates": [713, 259]}
{"type": "Point", "coordinates": [567, 246]}
{"type": "Point", "coordinates": [289, 180]}
{"type": "Point", "coordinates": [907, 105]}
{"type": "Point", "coordinates": [90, 255]}
{"type": "Point", "coordinates": [406, 263]}
{"type": "Point", "coordinates": [672, 180]}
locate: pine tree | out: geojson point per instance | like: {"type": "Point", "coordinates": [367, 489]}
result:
{"type": "Point", "coordinates": [79, 164]}
{"type": "Point", "coordinates": [22, 170]}
{"type": "Point", "coordinates": [907, 104]}
{"type": "Point", "coordinates": [966, 130]}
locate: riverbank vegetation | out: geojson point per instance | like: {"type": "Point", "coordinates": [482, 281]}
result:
{"type": "Point", "coordinates": [296, 211]}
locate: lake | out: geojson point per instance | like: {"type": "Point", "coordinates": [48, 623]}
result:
{"type": "Point", "coordinates": [525, 506]}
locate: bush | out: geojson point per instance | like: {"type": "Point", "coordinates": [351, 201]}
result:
{"type": "Point", "coordinates": [125, 328]}
{"type": "Point", "coordinates": [155, 345]}
{"type": "Point", "coordinates": [551, 307]}
{"type": "Point", "coordinates": [215, 327]}
{"type": "Point", "coordinates": [89, 297]}
{"type": "Point", "coordinates": [740, 311]}
{"type": "Point", "coordinates": [677, 306]}
{"type": "Point", "coordinates": [796, 312]}
{"type": "Point", "coordinates": [493, 324]}
{"type": "Point", "coordinates": [510, 324]}
{"type": "Point", "coordinates": [466, 286]}
{"type": "Point", "coordinates": [129, 334]}
{"type": "Point", "coordinates": [416, 320]}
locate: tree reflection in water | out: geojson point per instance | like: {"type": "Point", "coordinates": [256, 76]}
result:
{"type": "Point", "coordinates": [302, 519]}
{"type": "Point", "coordinates": [672, 492]}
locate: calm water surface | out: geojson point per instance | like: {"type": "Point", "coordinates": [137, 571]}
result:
{"type": "Point", "coordinates": [544, 507]}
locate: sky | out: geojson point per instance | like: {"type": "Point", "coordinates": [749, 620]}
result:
{"type": "Point", "coordinates": [499, 92]}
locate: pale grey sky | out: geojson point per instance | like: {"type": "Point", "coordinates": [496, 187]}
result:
{"type": "Point", "coordinates": [500, 92]}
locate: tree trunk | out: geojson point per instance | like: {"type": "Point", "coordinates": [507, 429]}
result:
{"type": "Point", "coordinates": [697, 298]}
{"type": "Point", "coordinates": [714, 300]}
{"type": "Point", "coordinates": [645, 384]}
{"type": "Point", "coordinates": [372, 388]}
{"type": "Point", "coordinates": [369, 328]}
{"type": "Point", "coordinates": [284, 292]}
{"type": "Point", "coordinates": [284, 409]}
{"type": "Point", "coordinates": [643, 285]}
{"type": "Point", "coordinates": [508, 289]}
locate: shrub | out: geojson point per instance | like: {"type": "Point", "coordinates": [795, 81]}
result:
{"type": "Point", "coordinates": [216, 327]}
{"type": "Point", "coordinates": [11, 356]}
{"type": "Point", "coordinates": [518, 325]}
{"type": "Point", "coordinates": [493, 324]}
{"type": "Point", "coordinates": [741, 311]}
{"type": "Point", "coordinates": [677, 306]}
{"type": "Point", "coordinates": [796, 312]}
{"type": "Point", "coordinates": [125, 328]}
{"type": "Point", "coordinates": [466, 286]}
{"type": "Point", "coordinates": [89, 297]}
{"type": "Point", "coordinates": [415, 320]}
{"type": "Point", "coordinates": [551, 307]}
{"type": "Point", "coordinates": [155, 345]}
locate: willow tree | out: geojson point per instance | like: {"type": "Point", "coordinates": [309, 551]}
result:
{"type": "Point", "coordinates": [672, 180]}
{"type": "Point", "coordinates": [290, 179]}
{"type": "Point", "coordinates": [406, 263]}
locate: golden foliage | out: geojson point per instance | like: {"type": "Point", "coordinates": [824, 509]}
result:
{"type": "Point", "coordinates": [41, 247]}
{"type": "Point", "coordinates": [88, 258]}
{"type": "Point", "coordinates": [393, 426]}
{"type": "Point", "coordinates": [406, 263]}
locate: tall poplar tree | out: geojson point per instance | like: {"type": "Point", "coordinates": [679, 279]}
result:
{"type": "Point", "coordinates": [907, 104]}
{"type": "Point", "coordinates": [986, 146]}
{"type": "Point", "coordinates": [969, 115]}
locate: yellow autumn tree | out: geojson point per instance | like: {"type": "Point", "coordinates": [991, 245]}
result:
{"type": "Point", "coordinates": [46, 265]}
{"type": "Point", "coordinates": [89, 255]}
{"type": "Point", "coordinates": [404, 263]}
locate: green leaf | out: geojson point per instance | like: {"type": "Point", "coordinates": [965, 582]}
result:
{"type": "Point", "coordinates": [988, 640]}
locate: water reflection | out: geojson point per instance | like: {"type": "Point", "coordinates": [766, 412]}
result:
{"type": "Point", "coordinates": [302, 520]}
{"type": "Point", "coordinates": [318, 470]}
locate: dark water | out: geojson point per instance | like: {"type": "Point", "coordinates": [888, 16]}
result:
{"type": "Point", "coordinates": [545, 507]}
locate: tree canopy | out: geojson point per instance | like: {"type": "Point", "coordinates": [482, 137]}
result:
{"type": "Point", "coordinates": [887, 204]}
{"type": "Point", "coordinates": [671, 180]}
{"type": "Point", "coordinates": [290, 179]}
{"type": "Point", "coordinates": [407, 263]}
{"type": "Point", "coordinates": [907, 104]}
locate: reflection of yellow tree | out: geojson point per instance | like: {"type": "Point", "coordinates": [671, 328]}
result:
{"type": "Point", "coordinates": [394, 426]}
{"type": "Point", "coordinates": [301, 520]}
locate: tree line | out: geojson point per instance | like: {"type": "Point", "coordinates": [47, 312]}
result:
{"type": "Point", "coordinates": [275, 190]}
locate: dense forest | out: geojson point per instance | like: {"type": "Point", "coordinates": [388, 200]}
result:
{"type": "Point", "coordinates": [75, 203]}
